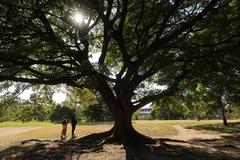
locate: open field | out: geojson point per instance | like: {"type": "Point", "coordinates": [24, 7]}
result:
{"type": "Point", "coordinates": [21, 124]}
{"type": "Point", "coordinates": [11, 132]}
{"type": "Point", "coordinates": [175, 141]}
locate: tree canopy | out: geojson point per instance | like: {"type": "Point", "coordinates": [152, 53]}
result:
{"type": "Point", "coordinates": [142, 45]}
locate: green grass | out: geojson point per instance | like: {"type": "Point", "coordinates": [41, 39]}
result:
{"type": "Point", "coordinates": [48, 131]}
{"type": "Point", "coordinates": [156, 128]}
{"type": "Point", "coordinates": [21, 124]}
{"type": "Point", "coordinates": [231, 129]}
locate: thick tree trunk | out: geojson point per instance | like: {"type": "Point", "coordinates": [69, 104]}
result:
{"type": "Point", "coordinates": [225, 123]}
{"type": "Point", "coordinates": [123, 131]}
{"type": "Point", "coordinates": [122, 111]}
{"type": "Point", "coordinates": [122, 124]}
{"type": "Point", "coordinates": [224, 118]}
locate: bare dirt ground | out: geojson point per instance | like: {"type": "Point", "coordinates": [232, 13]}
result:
{"type": "Point", "coordinates": [188, 144]}
{"type": "Point", "coordinates": [7, 131]}
{"type": "Point", "coordinates": [189, 134]}
{"type": "Point", "coordinates": [11, 131]}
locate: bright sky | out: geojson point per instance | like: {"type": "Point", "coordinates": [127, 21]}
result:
{"type": "Point", "coordinates": [26, 94]}
{"type": "Point", "coordinates": [95, 57]}
{"type": "Point", "coordinates": [78, 17]}
{"type": "Point", "coordinates": [58, 96]}
{"type": "Point", "coordinates": [147, 106]}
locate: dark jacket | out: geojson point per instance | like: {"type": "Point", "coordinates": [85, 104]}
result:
{"type": "Point", "coordinates": [74, 121]}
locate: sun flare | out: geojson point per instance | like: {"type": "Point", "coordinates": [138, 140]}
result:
{"type": "Point", "coordinates": [78, 18]}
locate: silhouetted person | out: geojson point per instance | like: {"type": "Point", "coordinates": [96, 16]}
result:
{"type": "Point", "coordinates": [73, 123]}
{"type": "Point", "coordinates": [64, 129]}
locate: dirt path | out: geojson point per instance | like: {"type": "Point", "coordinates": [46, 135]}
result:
{"type": "Point", "coordinates": [207, 143]}
{"type": "Point", "coordinates": [8, 131]}
{"type": "Point", "coordinates": [189, 134]}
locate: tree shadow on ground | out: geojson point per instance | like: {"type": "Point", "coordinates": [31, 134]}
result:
{"type": "Point", "coordinates": [101, 146]}
{"type": "Point", "coordinates": [225, 148]}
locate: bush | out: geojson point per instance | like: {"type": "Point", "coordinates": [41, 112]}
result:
{"type": "Point", "coordinates": [97, 112]}
{"type": "Point", "coordinates": [59, 112]}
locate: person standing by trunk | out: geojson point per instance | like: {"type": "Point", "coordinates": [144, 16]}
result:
{"type": "Point", "coordinates": [64, 129]}
{"type": "Point", "coordinates": [73, 123]}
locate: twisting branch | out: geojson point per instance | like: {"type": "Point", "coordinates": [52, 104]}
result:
{"type": "Point", "coordinates": [185, 26]}
{"type": "Point", "coordinates": [78, 57]}
{"type": "Point", "coordinates": [123, 16]}
{"type": "Point", "coordinates": [136, 28]}
{"type": "Point", "coordinates": [118, 34]}
{"type": "Point", "coordinates": [106, 40]}
{"type": "Point", "coordinates": [107, 35]}
{"type": "Point", "coordinates": [53, 81]}
{"type": "Point", "coordinates": [177, 3]}
{"type": "Point", "coordinates": [25, 61]}
{"type": "Point", "coordinates": [172, 89]}
{"type": "Point", "coordinates": [16, 94]}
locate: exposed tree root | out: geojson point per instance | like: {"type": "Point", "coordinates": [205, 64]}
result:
{"type": "Point", "coordinates": [138, 138]}
{"type": "Point", "coordinates": [104, 145]}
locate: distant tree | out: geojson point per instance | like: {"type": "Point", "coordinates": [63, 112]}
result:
{"type": "Point", "coordinates": [220, 74]}
{"type": "Point", "coordinates": [222, 97]}
{"type": "Point", "coordinates": [141, 44]}
{"type": "Point", "coordinates": [80, 99]}
{"type": "Point", "coordinates": [40, 102]}
{"type": "Point", "coordinates": [169, 108]}
{"type": "Point", "coordinates": [196, 102]}
{"type": "Point", "coordinates": [59, 112]}
{"type": "Point", "coordinates": [88, 104]}
{"type": "Point", "coordinates": [8, 111]}
{"type": "Point", "coordinates": [98, 111]}
{"type": "Point", "coordinates": [10, 101]}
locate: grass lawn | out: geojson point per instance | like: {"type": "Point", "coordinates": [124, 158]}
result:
{"type": "Point", "coordinates": [21, 124]}
{"type": "Point", "coordinates": [46, 130]}
{"type": "Point", "coordinates": [161, 128]}
{"type": "Point", "coordinates": [233, 128]}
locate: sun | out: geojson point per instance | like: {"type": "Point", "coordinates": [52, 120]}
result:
{"type": "Point", "coordinates": [78, 18]}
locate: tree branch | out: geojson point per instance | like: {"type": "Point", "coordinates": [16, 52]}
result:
{"type": "Point", "coordinates": [54, 81]}
{"type": "Point", "coordinates": [176, 4]}
{"type": "Point", "coordinates": [158, 43]}
{"type": "Point", "coordinates": [168, 92]}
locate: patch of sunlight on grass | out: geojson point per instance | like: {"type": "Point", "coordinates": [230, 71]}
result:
{"type": "Point", "coordinates": [155, 128]}
{"type": "Point", "coordinates": [53, 132]}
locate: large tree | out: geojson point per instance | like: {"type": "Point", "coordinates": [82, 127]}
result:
{"type": "Point", "coordinates": [142, 45]}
